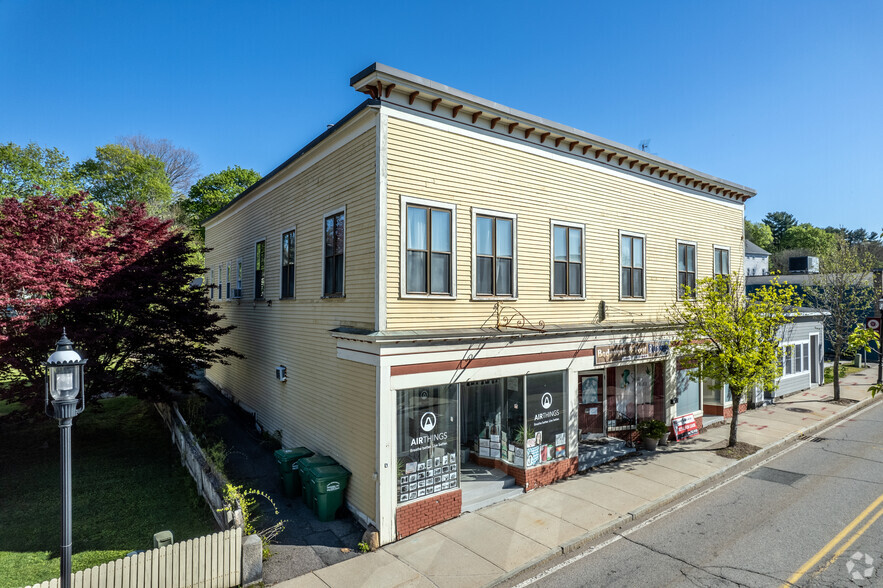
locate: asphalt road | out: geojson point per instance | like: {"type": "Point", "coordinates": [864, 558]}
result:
{"type": "Point", "coordinates": [810, 516]}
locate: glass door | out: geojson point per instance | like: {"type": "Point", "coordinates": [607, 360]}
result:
{"type": "Point", "coordinates": [591, 404]}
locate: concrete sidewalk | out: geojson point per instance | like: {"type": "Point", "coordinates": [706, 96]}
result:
{"type": "Point", "coordinates": [499, 541]}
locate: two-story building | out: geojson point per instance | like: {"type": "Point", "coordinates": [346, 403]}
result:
{"type": "Point", "coordinates": [446, 279]}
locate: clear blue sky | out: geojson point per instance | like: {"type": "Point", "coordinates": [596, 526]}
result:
{"type": "Point", "coordinates": [783, 96]}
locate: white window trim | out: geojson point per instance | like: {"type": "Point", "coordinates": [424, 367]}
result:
{"type": "Point", "coordinates": [619, 266]}
{"type": "Point", "coordinates": [795, 374]}
{"type": "Point", "coordinates": [322, 254]}
{"type": "Point", "coordinates": [678, 260]}
{"type": "Point", "coordinates": [726, 248]}
{"type": "Point", "coordinates": [509, 215]}
{"type": "Point", "coordinates": [254, 268]}
{"type": "Point", "coordinates": [211, 283]}
{"type": "Point", "coordinates": [221, 291]}
{"type": "Point", "coordinates": [582, 227]}
{"type": "Point", "coordinates": [282, 233]}
{"type": "Point", "coordinates": [403, 247]}
{"type": "Point", "coordinates": [695, 413]}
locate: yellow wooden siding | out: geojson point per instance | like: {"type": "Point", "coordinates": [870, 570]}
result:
{"type": "Point", "coordinates": [327, 404]}
{"type": "Point", "coordinates": [437, 165]}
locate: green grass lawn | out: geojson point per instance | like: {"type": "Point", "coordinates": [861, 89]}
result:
{"type": "Point", "coordinates": [128, 483]}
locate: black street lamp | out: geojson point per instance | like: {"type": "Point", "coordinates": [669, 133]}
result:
{"type": "Point", "coordinates": [64, 382]}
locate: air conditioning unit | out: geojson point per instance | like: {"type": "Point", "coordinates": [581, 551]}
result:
{"type": "Point", "coordinates": [237, 293]}
{"type": "Point", "coordinates": [281, 373]}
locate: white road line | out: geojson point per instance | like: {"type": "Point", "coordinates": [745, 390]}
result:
{"type": "Point", "coordinates": [677, 507]}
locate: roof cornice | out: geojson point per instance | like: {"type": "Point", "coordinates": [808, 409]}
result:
{"type": "Point", "coordinates": [385, 83]}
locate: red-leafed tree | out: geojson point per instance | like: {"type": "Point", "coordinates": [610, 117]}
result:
{"type": "Point", "coordinates": [121, 284]}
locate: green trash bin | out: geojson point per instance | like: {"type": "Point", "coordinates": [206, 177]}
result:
{"type": "Point", "coordinates": [286, 461]}
{"type": "Point", "coordinates": [305, 469]}
{"type": "Point", "coordinates": [328, 485]}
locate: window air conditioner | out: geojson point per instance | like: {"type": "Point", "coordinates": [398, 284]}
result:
{"type": "Point", "coordinates": [281, 373]}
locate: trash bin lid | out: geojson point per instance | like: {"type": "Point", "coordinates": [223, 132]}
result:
{"type": "Point", "coordinates": [330, 478]}
{"type": "Point", "coordinates": [308, 463]}
{"type": "Point", "coordinates": [291, 455]}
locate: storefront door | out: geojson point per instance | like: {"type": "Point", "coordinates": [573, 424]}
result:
{"type": "Point", "coordinates": [591, 404]}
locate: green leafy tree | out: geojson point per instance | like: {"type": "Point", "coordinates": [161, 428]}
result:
{"type": "Point", "coordinates": [843, 288]}
{"type": "Point", "coordinates": [30, 170]}
{"type": "Point", "coordinates": [211, 193]}
{"type": "Point", "coordinates": [733, 336]}
{"type": "Point", "coordinates": [779, 222]}
{"type": "Point", "coordinates": [118, 174]}
{"type": "Point", "coordinates": [806, 236]}
{"type": "Point", "coordinates": [760, 234]}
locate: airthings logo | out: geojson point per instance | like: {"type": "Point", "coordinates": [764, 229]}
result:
{"type": "Point", "coordinates": [855, 566]}
{"type": "Point", "coordinates": [428, 421]}
{"type": "Point", "coordinates": [546, 401]}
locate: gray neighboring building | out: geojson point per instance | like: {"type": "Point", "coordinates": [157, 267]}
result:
{"type": "Point", "coordinates": [757, 260]}
{"type": "Point", "coordinates": [803, 364]}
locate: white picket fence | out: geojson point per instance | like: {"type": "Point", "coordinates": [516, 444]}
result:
{"type": "Point", "coordinates": [212, 561]}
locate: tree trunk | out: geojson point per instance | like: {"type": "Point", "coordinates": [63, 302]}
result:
{"type": "Point", "coordinates": [836, 374]}
{"type": "Point", "coordinates": [734, 422]}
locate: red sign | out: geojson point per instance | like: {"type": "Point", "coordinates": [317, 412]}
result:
{"type": "Point", "coordinates": [872, 323]}
{"type": "Point", "coordinates": [684, 427]}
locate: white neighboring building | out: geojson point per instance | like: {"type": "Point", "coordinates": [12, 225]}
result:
{"type": "Point", "coordinates": [757, 261]}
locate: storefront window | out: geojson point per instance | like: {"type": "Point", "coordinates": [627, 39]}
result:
{"type": "Point", "coordinates": [688, 392]}
{"type": "Point", "coordinates": [545, 435]}
{"type": "Point", "coordinates": [427, 442]}
{"type": "Point", "coordinates": [714, 393]}
{"type": "Point", "coordinates": [633, 399]}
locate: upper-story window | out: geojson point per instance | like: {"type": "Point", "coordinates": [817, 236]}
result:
{"type": "Point", "coordinates": [686, 269]}
{"type": "Point", "coordinates": [567, 260]}
{"type": "Point", "coordinates": [260, 249]}
{"type": "Point", "coordinates": [334, 248]}
{"type": "Point", "coordinates": [494, 254]}
{"type": "Point", "coordinates": [721, 261]}
{"type": "Point", "coordinates": [631, 266]}
{"type": "Point", "coordinates": [428, 249]}
{"type": "Point", "coordinates": [288, 265]}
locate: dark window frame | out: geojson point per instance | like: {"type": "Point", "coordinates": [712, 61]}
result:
{"type": "Point", "coordinates": [686, 277]}
{"type": "Point", "coordinates": [495, 257]}
{"type": "Point", "coordinates": [718, 269]}
{"type": "Point", "coordinates": [629, 294]}
{"type": "Point", "coordinates": [287, 269]}
{"type": "Point", "coordinates": [428, 251]}
{"type": "Point", "coordinates": [334, 264]}
{"type": "Point", "coordinates": [568, 227]}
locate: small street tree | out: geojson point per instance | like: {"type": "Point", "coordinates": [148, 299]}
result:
{"type": "Point", "coordinates": [844, 289]}
{"type": "Point", "coordinates": [733, 336]}
{"type": "Point", "coordinates": [122, 286]}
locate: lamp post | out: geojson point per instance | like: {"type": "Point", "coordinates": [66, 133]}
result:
{"type": "Point", "coordinates": [64, 383]}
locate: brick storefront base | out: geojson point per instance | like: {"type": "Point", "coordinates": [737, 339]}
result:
{"type": "Point", "coordinates": [724, 411]}
{"type": "Point", "coordinates": [533, 477]}
{"type": "Point", "coordinates": [436, 509]}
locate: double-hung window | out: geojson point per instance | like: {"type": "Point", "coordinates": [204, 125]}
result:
{"type": "Point", "coordinates": [428, 249]}
{"type": "Point", "coordinates": [721, 261]}
{"type": "Point", "coordinates": [686, 269]}
{"type": "Point", "coordinates": [567, 260]}
{"type": "Point", "coordinates": [211, 284]}
{"type": "Point", "coordinates": [288, 265]}
{"type": "Point", "coordinates": [631, 266]}
{"type": "Point", "coordinates": [229, 265]}
{"type": "Point", "coordinates": [334, 248]}
{"type": "Point", "coordinates": [494, 255]}
{"type": "Point", "coordinates": [260, 249]}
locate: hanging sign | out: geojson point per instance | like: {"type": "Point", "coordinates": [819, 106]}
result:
{"type": "Point", "coordinates": [684, 427]}
{"type": "Point", "coordinates": [872, 323]}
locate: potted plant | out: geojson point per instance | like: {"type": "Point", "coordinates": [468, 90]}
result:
{"type": "Point", "coordinates": [651, 430]}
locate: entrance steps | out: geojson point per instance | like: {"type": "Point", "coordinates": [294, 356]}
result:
{"type": "Point", "coordinates": [482, 487]}
{"type": "Point", "coordinates": [594, 452]}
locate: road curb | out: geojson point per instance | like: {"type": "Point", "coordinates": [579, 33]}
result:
{"type": "Point", "coordinates": [677, 493]}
